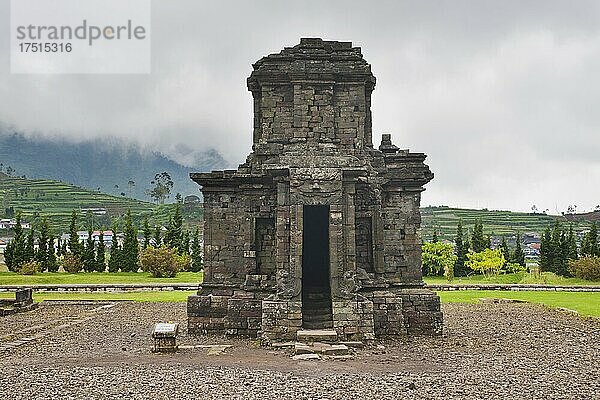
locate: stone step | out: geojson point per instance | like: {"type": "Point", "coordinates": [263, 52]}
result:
{"type": "Point", "coordinates": [320, 325]}
{"type": "Point", "coordinates": [317, 335]}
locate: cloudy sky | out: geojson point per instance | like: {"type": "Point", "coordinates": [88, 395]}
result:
{"type": "Point", "coordinates": [503, 96]}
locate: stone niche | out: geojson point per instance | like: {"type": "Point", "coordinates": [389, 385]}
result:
{"type": "Point", "coordinates": [317, 229]}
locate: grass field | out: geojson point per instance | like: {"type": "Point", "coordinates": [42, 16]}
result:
{"type": "Point", "coordinates": [585, 303]}
{"type": "Point", "coordinates": [546, 278]}
{"type": "Point", "coordinates": [11, 278]}
{"type": "Point", "coordinates": [146, 297]}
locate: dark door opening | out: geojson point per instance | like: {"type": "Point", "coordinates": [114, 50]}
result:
{"type": "Point", "coordinates": [316, 289]}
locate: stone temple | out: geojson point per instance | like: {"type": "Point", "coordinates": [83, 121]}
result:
{"type": "Point", "coordinates": [317, 229]}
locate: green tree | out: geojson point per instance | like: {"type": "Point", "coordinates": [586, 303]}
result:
{"type": "Point", "coordinates": [505, 249]}
{"type": "Point", "coordinates": [487, 262]}
{"type": "Point", "coordinates": [51, 262]}
{"type": "Point", "coordinates": [58, 247]}
{"type": "Point", "coordinates": [572, 245]}
{"type": "Point", "coordinates": [29, 254]}
{"type": "Point", "coordinates": [438, 258]}
{"type": "Point", "coordinates": [157, 238]}
{"type": "Point", "coordinates": [185, 243]}
{"type": "Point", "coordinates": [546, 250]}
{"type": "Point", "coordinates": [114, 262]}
{"type": "Point", "coordinates": [41, 255]}
{"type": "Point", "coordinates": [174, 235]}
{"type": "Point", "coordinates": [478, 240]}
{"type": "Point", "coordinates": [130, 262]}
{"type": "Point", "coordinates": [434, 239]}
{"type": "Point", "coordinates": [89, 253]}
{"type": "Point", "coordinates": [9, 256]}
{"type": "Point", "coordinates": [196, 253]}
{"type": "Point", "coordinates": [74, 246]}
{"type": "Point", "coordinates": [101, 253]}
{"type": "Point", "coordinates": [461, 249]}
{"type": "Point", "coordinates": [518, 256]}
{"type": "Point", "coordinates": [589, 245]}
{"type": "Point", "coordinates": [147, 232]}
{"type": "Point", "coordinates": [162, 187]}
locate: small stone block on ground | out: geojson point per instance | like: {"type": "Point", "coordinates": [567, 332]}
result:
{"type": "Point", "coordinates": [301, 348]}
{"type": "Point", "coordinates": [336, 350]}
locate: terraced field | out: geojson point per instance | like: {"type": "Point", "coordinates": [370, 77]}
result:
{"type": "Point", "coordinates": [55, 199]}
{"type": "Point", "coordinates": [36, 198]}
{"type": "Point", "coordinates": [445, 220]}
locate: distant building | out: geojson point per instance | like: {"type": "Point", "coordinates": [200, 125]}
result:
{"type": "Point", "coordinates": [529, 238]}
{"type": "Point", "coordinates": [107, 236]}
{"type": "Point", "coordinates": [95, 211]}
{"type": "Point", "coordinates": [11, 223]}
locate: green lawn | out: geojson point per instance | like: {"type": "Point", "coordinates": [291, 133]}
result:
{"type": "Point", "coordinates": [547, 278]}
{"type": "Point", "coordinates": [11, 278]}
{"type": "Point", "coordinates": [162, 296]}
{"type": "Point", "coordinates": [586, 303]}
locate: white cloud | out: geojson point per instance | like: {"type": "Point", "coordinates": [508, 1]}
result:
{"type": "Point", "coordinates": [502, 96]}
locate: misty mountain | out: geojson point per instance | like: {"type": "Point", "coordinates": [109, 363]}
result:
{"type": "Point", "coordinates": [105, 165]}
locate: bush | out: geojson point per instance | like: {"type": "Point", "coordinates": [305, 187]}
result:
{"type": "Point", "coordinates": [29, 268]}
{"type": "Point", "coordinates": [72, 263]}
{"type": "Point", "coordinates": [513, 268]}
{"type": "Point", "coordinates": [587, 267]}
{"type": "Point", "coordinates": [160, 262]}
{"type": "Point", "coordinates": [184, 262]}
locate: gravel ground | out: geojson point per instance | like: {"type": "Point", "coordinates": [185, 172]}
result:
{"type": "Point", "coordinates": [488, 351]}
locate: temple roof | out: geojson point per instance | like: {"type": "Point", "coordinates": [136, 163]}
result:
{"type": "Point", "coordinates": [313, 59]}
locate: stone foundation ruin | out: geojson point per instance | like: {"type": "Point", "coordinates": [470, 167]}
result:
{"type": "Point", "coordinates": [317, 229]}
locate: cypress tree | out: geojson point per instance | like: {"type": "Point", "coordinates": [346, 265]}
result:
{"type": "Point", "coordinates": [114, 262]}
{"type": "Point", "coordinates": [185, 243]}
{"type": "Point", "coordinates": [51, 262]}
{"type": "Point", "coordinates": [174, 235]}
{"type": "Point", "coordinates": [8, 256]}
{"type": "Point", "coordinates": [74, 245]}
{"type": "Point", "coordinates": [195, 249]}
{"type": "Point", "coordinates": [563, 261]}
{"type": "Point", "coordinates": [18, 245]}
{"type": "Point", "coordinates": [518, 257]}
{"type": "Point", "coordinates": [41, 255]}
{"type": "Point", "coordinates": [545, 250]}
{"type": "Point", "coordinates": [478, 240]}
{"type": "Point", "coordinates": [555, 246]}
{"type": "Point", "coordinates": [157, 240]}
{"type": "Point", "coordinates": [130, 246]}
{"type": "Point", "coordinates": [101, 253]}
{"type": "Point", "coordinates": [589, 244]}
{"type": "Point", "coordinates": [89, 253]}
{"type": "Point", "coordinates": [572, 244]}
{"type": "Point", "coordinates": [461, 249]}
{"type": "Point", "coordinates": [147, 232]}
{"type": "Point", "coordinates": [505, 250]}
{"type": "Point", "coordinates": [434, 239]}
{"type": "Point", "coordinates": [29, 253]}
{"type": "Point", "coordinates": [58, 247]}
